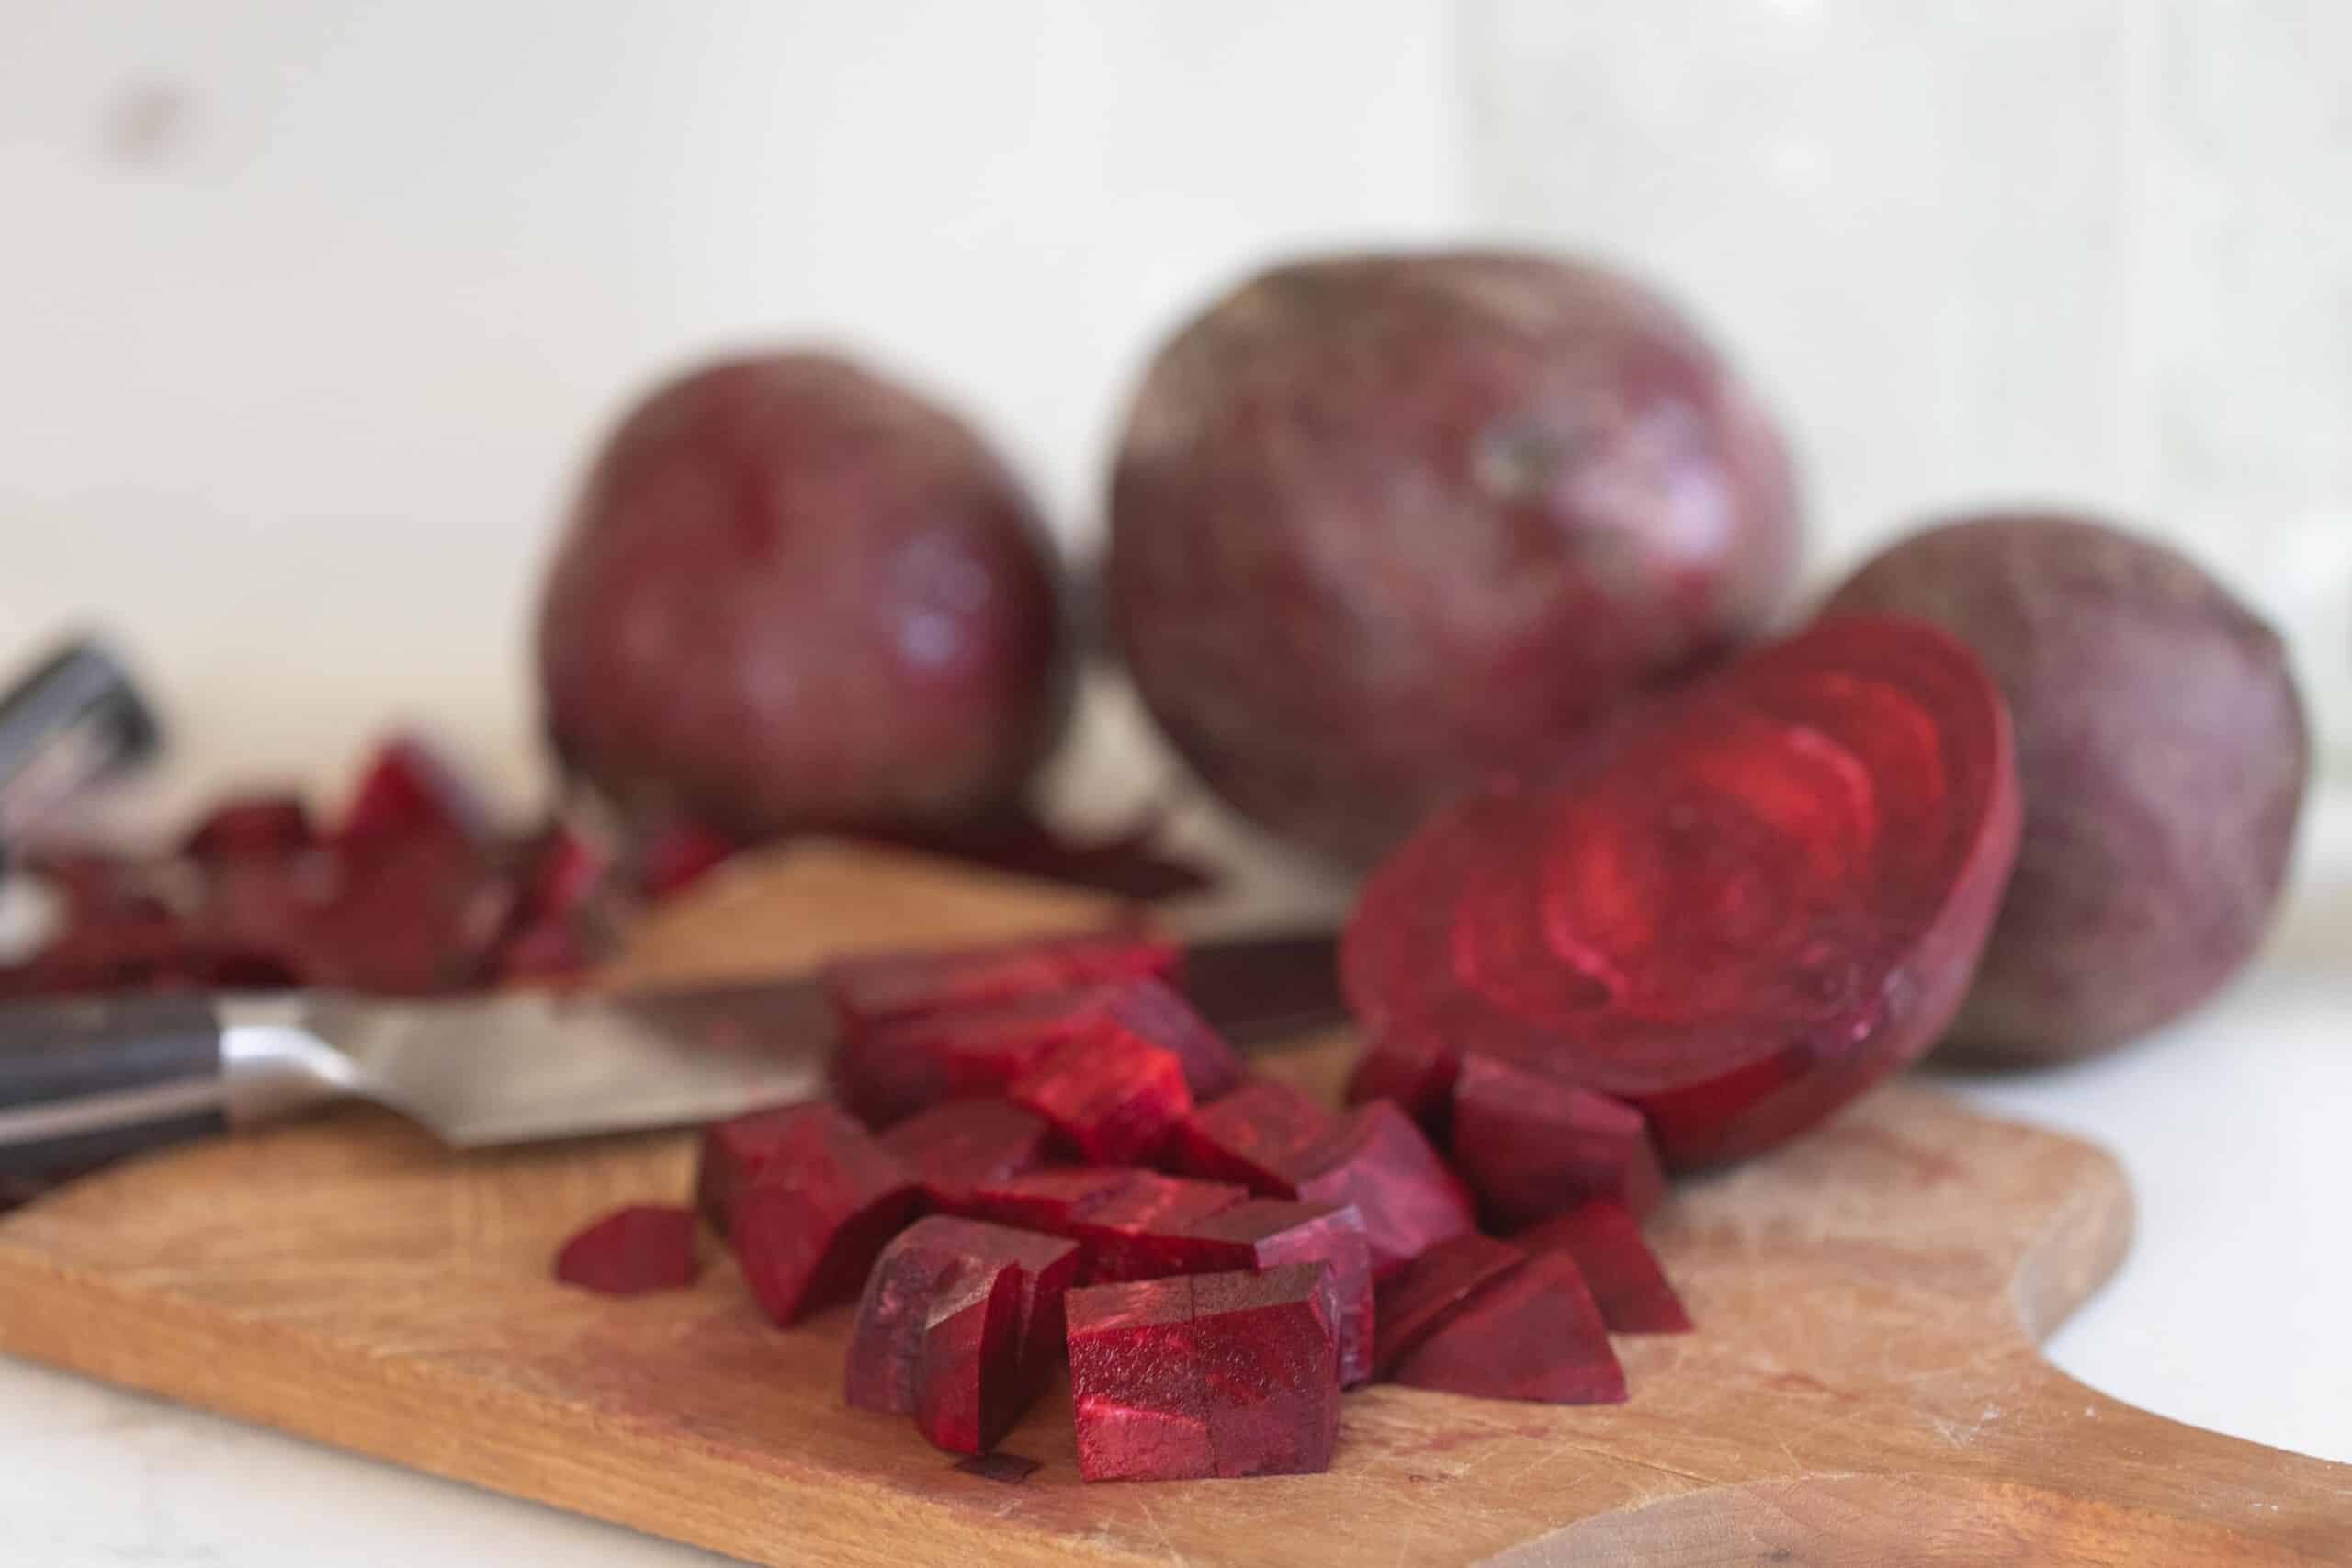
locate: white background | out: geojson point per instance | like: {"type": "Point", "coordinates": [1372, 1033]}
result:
{"type": "Point", "coordinates": [308, 314]}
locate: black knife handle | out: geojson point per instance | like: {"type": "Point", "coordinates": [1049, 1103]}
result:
{"type": "Point", "coordinates": [82, 1080]}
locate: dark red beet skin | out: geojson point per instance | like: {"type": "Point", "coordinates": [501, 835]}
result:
{"type": "Point", "coordinates": [1413, 1303]}
{"type": "Point", "coordinates": [1530, 1145]}
{"type": "Point", "coordinates": [630, 1251]}
{"type": "Point", "coordinates": [1766, 899]}
{"type": "Point", "coordinates": [825, 1200]}
{"type": "Point", "coordinates": [1384, 527]}
{"type": "Point", "coordinates": [1605, 1239]}
{"type": "Point", "coordinates": [792, 595]}
{"type": "Point", "coordinates": [1532, 1335]}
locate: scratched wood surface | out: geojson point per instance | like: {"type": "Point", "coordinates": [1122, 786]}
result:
{"type": "Point", "coordinates": [1864, 1388]}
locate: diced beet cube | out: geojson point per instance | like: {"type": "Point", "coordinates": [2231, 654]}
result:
{"type": "Point", "coordinates": [413, 918]}
{"type": "Point", "coordinates": [1135, 1384]}
{"type": "Point", "coordinates": [1410, 1199]}
{"type": "Point", "coordinates": [252, 826]}
{"type": "Point", "coordinates": [957, 1148]}
{"type": "Point", "coordinates": [925, 1263]}
{"type": "Point", "coordinates": [1534, 1334]}
{"type": "Point", "coordinates": [1048, 1199]}
{"type": "Point", "coordinates": [878, 988]}
{"type": "Point", "coordinates": [1414, 1067]}
{"type": "Point", "coordinates": [409, 791]}
{"type": "Point", "coordinates": [1413, 1303]}
{"type": "Point", "coordinates": [1260, 1135]}
{"type": "Point", "coordinates": [735, 1151]}
{"type": "Point", "coordinates": [1532, 1145]}
{"type": "Point", "coordinates": [824, 1202]}
{"type": "Point", "coordinates": [1623, 1275]}
{"type": "Point", "coordinates": [1151, 1010]}
{"type": "Point", "coordinates": [667, 859]}
{"type": "Point", "coordinates": [1270, 1367]}
{"type": "Point", "coordinates": [1267, 1233]}
{"type": "Point", "coordinates": [968, 1384]}
{"type": "Point", "coordinates": [1142, 1228]}
{"type": "Point", "coordinates": [1111, 1100]}
{"type": "Point", "coordinates": [650, 1246]}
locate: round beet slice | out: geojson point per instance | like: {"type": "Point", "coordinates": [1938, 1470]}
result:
{"type": "Point", "coordinates": [1762, 901]}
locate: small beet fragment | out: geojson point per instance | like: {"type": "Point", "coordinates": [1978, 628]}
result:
{"type": "Point", "coordinates": [261, 826]}
{"type": "Point", "coordinates": [1260, 1135]}
{"type": "Point", "coordinates": [648, 1246]}
{"type": "Point", "coordinates": [408, 790]}
{"type": "Point", "coordinates": [1384, 1165]}
{"type": "Point", "coordinates": [1135, 1384]}
{"type": "Point", "coordinates": [1530, 1145]}
{"type": "Point", "coordinates": [825, 1200]}
{"type": "Point", "coordinates": [1270, 1370]}
{"type": "Point", "coordinates": [968, 1387]}
{"type": "Point", "coordinates": [1532, 1335]}
{"type": "Point", "coordinates": [1623, 1275]}
{"type": "Point", "coordinates": [410, 916]}
{"type": "Point", "coordinates": [1418, 1299]}
{"type": "Point", "coordinates": [1111, 1100]}
{"type": "Point", "coordinates": [1766, 897]}
{"type": "Point", "coordinates": [876, 988]}
{"type": "Point", "coordinates": [1268, 1233]}
{"type": "Point", "coordinates": [958, 1148]}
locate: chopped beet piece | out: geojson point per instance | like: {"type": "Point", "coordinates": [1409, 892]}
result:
{"type": "Point", "coordinates": [1135, 1384]}
{"type": "Point", "coordinates": [154, 955]}
{"type": "Point", "coordinates": [1530, 1145]}
{"type": "Point", "coordinates": [1534, 1334]}
{"type": "Point", "coordinates": [1382, 1163]}
{"type": "Point", "coordinates": [1418, 1299]}
{"type": "Point", "coordinates": [968, 1385]}
{"type": "Point", "coordinates": [260, 825]}
{"type": "Point", "coordinates": [544, 953]}
{"type": "Point", "coordinates": [1258, 1135]}
{"type": "Point", "coordinates": [735, 1151]}
{"type": "Point", "coordinates": [1414, 1067]}
{"type": "Point", "coordinates": [1267, 1233]}
{"type": "Point", "coordinates": [957, 1148]}
{"type": "Point", "coordinates": [650, 1246]}
{"type": "Point", "coordinates": [1112, 1100]}
{"type": "Point", "coordinates": [1759, 902]}
{"type": "Point", "coordinates": [668, 859]}
{"type": "Point", "coordinates": [414, 918]}
{"type": "Point", "coordinates": [562, 869]}
{"type": "Point", "coordinates": [1269, 1369]}
{"type": "Point", "coordinates": [873, 989]}
{"type": "Point", "coordinates": [1605, 1239]}
{"type": "Point", "coordinates": [918, 1267]}
{"type": "Point", "coordinates": [1151, 1010]}
{"type": "Point", "coordinates": [823, 1202]}
{"type": "Point", "coordinates": [1142, 1228]}
{"type": "Point", "coordinates": [409, 791]}
{"type": "Point", "coordinates": [1047, 1200]}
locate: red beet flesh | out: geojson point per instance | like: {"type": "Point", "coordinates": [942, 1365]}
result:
{"type": "Point", "coordinates": [262, 825]}
{"type": "Point", "coordinates": [791, 595]}
{"type": "Point", "coordinates": [968, 1390]}
{"type": "Point", "coordinates": [1416, 1300]}
{"type": "Point", "coordinates": [1384, 527]}
{"type": "Point", "coordinates": [1413, 1067]}
{"type": "Point", "coordinates": [1111, 1099]}
{"type": "Point", "coordinates": [1268, 1233]}
{"type": "Point", "coordinates": [878, 988]}
{"type": "Point", "coordinates": [1623, 1275]}
{"type": "Point", "coordinates": [1530, 1145]}
{"type": "Point", "coordinates": [650, 1246]}
{"type": "Point", "coordinates": [1532, 1335]}
{"type": "Point", "coordinates": [955, 1148]}
{"type": "Point", "coordinates": [1218, 1374]}
{"type": "Point", "coordinates": [823, 1202]}
{"type": "Point", "coordinates": [1261, 1136]}
{"type": "Point", "coordinates": [1134, 1225]}
{"type": "Point", "coordinates": [1764, 900]}
{"type": "Point", "coordinates": [1381, 1163]}
{"type": "Point", "coordinates": [407, 789]}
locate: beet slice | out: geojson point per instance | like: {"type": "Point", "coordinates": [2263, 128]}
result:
{"type": "Point", "coordinates": [1757, 904]}
{"type": "Point", "coordinates": [1259, 1136]}
{"type": "Point", "coordinates": [1215, 1374]}
{"type": "Point", "coordinates": [252, 826]}
{"type": "Point", "coordinates": [647, 1247]}
{"type": "Point", "coordinates": [968, 1389]}
{"type": "Point", "coordinates": [1605, 1239]}
{"type": "Point", "coordinates": [1112, 1099]}
{"type": "Point", "coordinates": [1268, 1233]}
{"type": "Point", "coordinates": [958, 1148]}
{"type": "Point", "coordinates": [825, 1200]}
{"type": "Point", "coordinates": [1416, 1300]}
{"type": "Point", "coordinates": [878, 987]}
{"type": "Point", "coordinates": [1382, 1163]}
{"type": "Point", "coordinates": [1135, 1384]}
{"type": "Point", "coordinates": [1532, 1335]}
{"type": "Point", "coordinates": [1530, 1145]}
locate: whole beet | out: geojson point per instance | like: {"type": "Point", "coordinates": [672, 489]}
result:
{"type": "Point", "coordinates": [2163, 755]}
{"type": "Point", "coordinates": [793, 595]}
{"type": "Point", "coordinates": [1382, 527]}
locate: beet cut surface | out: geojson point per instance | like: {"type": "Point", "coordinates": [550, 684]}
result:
{"type": "Point", "coordinates": [1268, 1233]}
{"type": "Point", "coordinates": [1605, 1239]}
{"type": "Point", "coordinates": [968, 1384]}
{"type": "Point", "coordinates": [1530, 1145]}
{"type": "Point", "coordinates": [1415, 1302]}
{"type": "Point", "coordinates": [243, 826]}
{"type": "Point", "coordinates": [957, 1148]}
{"type": "Point", "coordinates": [1113, 1100]}
{"type": "Point", "coordinates": [878, 987]}
{"type": "Point", "coordinates": [1410, 1199]}
{"type": "Point", "coordinates": [1532, 1335]}
{"type": "Point", "coordinates": [825, 1200]}
{"type": "Point", "coordinates": [1261, 1135]}
{"type": "Point", "coordinates": [647, 1247]}
{"type": "Point", "coordinates": [1761, 901]}
{"type": "Point", "coordinates": [1135, 1384]}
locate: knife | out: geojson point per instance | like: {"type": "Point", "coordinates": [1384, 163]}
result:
{"type": "Point", "coordinates": [84, 1079]}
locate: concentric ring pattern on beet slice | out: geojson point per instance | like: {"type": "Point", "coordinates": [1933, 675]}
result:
{"type": "Point", "coordinates": [1763, 901]}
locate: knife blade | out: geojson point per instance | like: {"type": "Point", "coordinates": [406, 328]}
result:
{"type": "Point", "coordinates": [82, 1080]}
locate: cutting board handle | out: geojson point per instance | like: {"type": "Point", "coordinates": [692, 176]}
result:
{"type": "Point", "coordinates": [83, 1080]}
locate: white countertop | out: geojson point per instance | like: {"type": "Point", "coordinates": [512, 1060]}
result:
{"type": "Point", "coordinates": [2229, 1312]}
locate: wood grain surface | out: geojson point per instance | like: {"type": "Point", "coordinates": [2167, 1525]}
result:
{"type": "Point", "coordinates": [1863, 1388]}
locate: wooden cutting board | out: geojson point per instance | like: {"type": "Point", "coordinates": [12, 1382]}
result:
{"type": "Point", "coordinates": [1864, 1388]}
